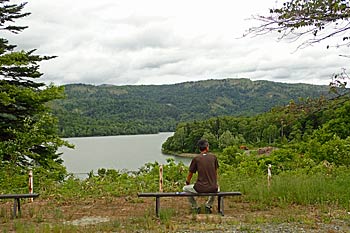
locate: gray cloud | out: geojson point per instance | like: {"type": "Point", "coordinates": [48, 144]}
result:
{"type": "Point", "coordinates": [132, 42]}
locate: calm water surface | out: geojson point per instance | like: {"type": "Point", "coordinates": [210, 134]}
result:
{"type": "Point", "coordinates": [115, 152]}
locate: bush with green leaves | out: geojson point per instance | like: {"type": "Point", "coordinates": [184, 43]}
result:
{"type": "Point", "coordinates": [110, 182]}
{"type": "Point", "coordinates": [335, 151]}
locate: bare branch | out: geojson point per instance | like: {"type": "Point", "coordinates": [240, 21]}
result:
{"type": "Point", "coordinates": [299, 18]}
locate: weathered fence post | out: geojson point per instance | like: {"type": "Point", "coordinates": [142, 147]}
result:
{"type": "Point", "coordinates": [161, 178]}
{"type": "Point", "coordinates": [30, 183]}
{"type": "Point", "coordinates": [269, 175]}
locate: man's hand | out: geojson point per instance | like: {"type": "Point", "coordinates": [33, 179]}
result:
{"type": "Point", "coordinates": [189, 177]}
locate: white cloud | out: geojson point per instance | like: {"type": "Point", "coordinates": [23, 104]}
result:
{"type": "Point", "coordinates": [156, 41]}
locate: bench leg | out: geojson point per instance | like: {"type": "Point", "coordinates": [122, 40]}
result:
{"type": "Point", "coordinates": [14, 214]}
{"type": "Point", "coordinates": [19, 206]}
{"type": "Point", "coordinates": [157, 206]}
{"type": "Point", "coordinates": [221, 205]}
{"type": "Point", "coordinates": [16, 206]}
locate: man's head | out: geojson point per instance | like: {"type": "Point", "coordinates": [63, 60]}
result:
{"type": "Point", "coordinates": [203, 145]}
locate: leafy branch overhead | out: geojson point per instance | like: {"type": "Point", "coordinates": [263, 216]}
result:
{"type": "Point", "coordinates": [316, 19]}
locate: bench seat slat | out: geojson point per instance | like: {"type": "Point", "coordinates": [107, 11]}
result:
{"type": "Point", "coordinates": [176, 194]}
{"type": "Point", "coordinates": [25, 195]}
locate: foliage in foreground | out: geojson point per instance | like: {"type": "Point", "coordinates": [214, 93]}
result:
{"type": "Point", "coordinates": [310, 184]}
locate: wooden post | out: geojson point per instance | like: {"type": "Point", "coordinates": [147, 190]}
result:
{"type": "Point", "coordinates": [30, 183]}
{"type": "Point", "coordinates": [161, 178]}
{"type": "Point", "coordinates": [269, 176]}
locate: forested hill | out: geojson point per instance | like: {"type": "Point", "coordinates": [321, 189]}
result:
{"type": "Point", "coordinates": [113, 110]}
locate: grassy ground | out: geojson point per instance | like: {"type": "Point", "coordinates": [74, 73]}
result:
{"type": "Point", "coordinates": [132, 214]}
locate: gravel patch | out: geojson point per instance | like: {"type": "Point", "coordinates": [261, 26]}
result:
{"type": "Point", "coordinates": [87, 221]}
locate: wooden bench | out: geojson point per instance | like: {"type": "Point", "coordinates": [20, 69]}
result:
{"type": "Point", "coordinates": [220, 196]}
{"type": "Point", "coordinates": [17, 202]}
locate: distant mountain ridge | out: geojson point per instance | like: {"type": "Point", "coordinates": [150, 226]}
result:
{"type": "Point", "coordinates": [103, 110]}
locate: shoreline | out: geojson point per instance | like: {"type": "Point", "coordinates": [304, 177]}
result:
{"type": "Point", "coordinates": [182, 155]}
{"type": "Point", "coordinates": [187, 155]}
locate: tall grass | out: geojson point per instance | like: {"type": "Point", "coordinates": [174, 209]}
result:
{"type": "Point", "coordinates": [297, 187]}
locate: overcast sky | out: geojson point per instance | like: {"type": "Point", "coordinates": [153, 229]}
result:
{"type": "Point", "coordinates": [164, 42]}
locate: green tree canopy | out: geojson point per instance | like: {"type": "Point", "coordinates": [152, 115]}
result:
{"type": "Point", "coordinates": [28, 131]}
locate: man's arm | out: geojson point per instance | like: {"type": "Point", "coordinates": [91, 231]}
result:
{"type": "Point", "coordinates": [217, 179]}
{"type": "Point", "coordinates": [189, 177]}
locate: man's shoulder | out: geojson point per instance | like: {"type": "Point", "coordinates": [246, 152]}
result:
{"type": "Point", "coordinates": [207, 155]}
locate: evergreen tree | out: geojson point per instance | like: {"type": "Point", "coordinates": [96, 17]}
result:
{"type": "Point", "coordinates": [28, 131]}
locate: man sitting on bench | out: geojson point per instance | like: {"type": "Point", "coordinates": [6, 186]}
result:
{"type": "Point", "coordinates": [206, 164]}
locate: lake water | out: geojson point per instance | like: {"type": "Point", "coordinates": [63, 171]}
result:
{"type": "Point", "coordinates": [115, 152]}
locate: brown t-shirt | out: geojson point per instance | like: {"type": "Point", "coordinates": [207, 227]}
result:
{"type": "Point", "coordinates": [206, 165]}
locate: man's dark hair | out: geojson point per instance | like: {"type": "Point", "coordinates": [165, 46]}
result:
{"type": "Point", "coordinates": [202, 144]}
